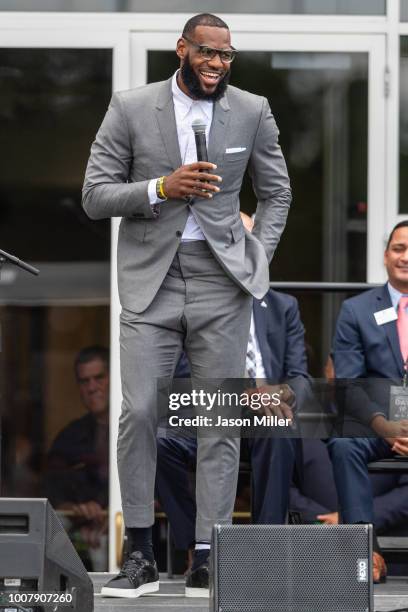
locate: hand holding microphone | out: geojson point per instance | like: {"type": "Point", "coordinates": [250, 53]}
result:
{"type": "Point", "coordinates": [185, 182]}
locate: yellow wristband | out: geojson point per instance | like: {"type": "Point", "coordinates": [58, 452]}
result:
{"type": "Point", "coordinates": [160, 188]}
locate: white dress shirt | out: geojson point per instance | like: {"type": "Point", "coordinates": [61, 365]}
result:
{"type": "Point", "coordinates": [259, 367]}
{"type": "Point", "coordinates": [186, 111]}
{"type": "Point", "coordinates": [395, 295]}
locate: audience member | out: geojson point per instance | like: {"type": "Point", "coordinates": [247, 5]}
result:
{"type": "Point", "coordinates": [78, 461]}
{"type": "Point", "coordinates": [371, 342]}
{"type": "Point", "coordinates": [315, 496]}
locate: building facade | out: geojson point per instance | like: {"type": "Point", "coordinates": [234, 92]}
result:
{"type": "Point", "coordinates": [336, 75]}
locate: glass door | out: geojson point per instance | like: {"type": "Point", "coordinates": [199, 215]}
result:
{"type": "Point", "coordinates": [56, 84]}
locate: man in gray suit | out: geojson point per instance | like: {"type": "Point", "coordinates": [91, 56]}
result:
{"type": "Point", "coordinates": [187, 269]}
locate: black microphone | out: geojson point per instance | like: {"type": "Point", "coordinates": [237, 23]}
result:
{"type": "Point", "coordinates": [201, 144]}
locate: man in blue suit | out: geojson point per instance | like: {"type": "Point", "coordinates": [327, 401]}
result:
{"type": "Point", "coordinates": [371, 341]}
{"type": "Point", "coordinates": [315, 497]}
{"type": "Point", "coordinates": [278, 338]}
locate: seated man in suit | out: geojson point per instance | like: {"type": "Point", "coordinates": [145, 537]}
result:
{"type": "Point", "coordinates": [315, 497]}
{"type": "Point", "coordinates": [371, 341]}
{"type": "Point", "coordinates": [77, 477]}
{"type": "Point", "coordinates": [276, 352]}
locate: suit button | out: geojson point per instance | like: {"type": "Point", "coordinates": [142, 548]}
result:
{"type": "Point", "coordinates": [179, 234]}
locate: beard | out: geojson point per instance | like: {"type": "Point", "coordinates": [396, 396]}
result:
{"type": "Point", "coordinates": [192, 82]}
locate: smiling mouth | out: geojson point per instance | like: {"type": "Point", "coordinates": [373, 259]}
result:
{"type": "Point", "coordinates": [210, 77]}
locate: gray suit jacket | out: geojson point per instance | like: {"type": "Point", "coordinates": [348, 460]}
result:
{"type": "Point", "coordinates": [137, 141]}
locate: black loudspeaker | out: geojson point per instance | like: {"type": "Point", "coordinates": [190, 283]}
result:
{"type": "Point", "coordinates": [36, 556]}
{"type": "Point", "coordinates": [291, 568]}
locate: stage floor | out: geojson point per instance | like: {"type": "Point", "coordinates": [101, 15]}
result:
{"type": "Point", "coordinates": [389, 596]}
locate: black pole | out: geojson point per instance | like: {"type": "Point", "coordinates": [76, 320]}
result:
{"type": "Point", "coordinates": [17, 262]}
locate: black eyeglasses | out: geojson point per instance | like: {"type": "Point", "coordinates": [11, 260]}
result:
{"type": "Point", "coordinates": [208, 53]}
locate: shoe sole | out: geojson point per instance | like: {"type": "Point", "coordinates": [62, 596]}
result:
{"type": "Point", "coordinates": [197, 592]}
{"type": "Point", "coordinates": [144, 589]}
{"type": "Point", "coordinates": [381, 580]}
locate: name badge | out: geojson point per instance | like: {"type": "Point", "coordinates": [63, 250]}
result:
{"type": "Point", "coordinates": [398, 403]}
{"type": "Point", "coordinates": [385, 316]}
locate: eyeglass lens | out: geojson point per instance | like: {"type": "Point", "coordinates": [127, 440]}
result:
{"type": "Point", "coordinates": [226, 55]}
{"type": "Point", "coordinates": [210, 53]}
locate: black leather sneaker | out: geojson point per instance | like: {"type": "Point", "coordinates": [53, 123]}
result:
{"type": "Point", "coordinates": [137, 577]}
{"type": "Point", "coordinates": [197, 582]}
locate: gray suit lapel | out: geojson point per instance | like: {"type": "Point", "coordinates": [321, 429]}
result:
{"type": "Point", "coordinates": [219, 126]}
{"type": "Point", "coordinates": [167, 124]}
{"type": "Point", "coordinates": [168, 129]}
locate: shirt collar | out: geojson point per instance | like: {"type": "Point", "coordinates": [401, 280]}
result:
{"type": "Point", "coordinates": [395, 295]}
{"type": "Point", "coordinates": [184, 102]}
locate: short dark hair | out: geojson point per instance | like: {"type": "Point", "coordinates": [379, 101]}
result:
{"type": "Point", "coordinates": [205, 19]}
{"type": "Point", "coordinates": [400, 224]}
{"type": "Point", "coordinates": [90, 353]}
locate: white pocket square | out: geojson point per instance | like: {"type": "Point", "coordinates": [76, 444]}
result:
{"type": "Point", "coordinates": [235, 150]}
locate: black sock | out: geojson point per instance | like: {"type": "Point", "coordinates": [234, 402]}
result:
{"type": "Point", "coordinates": [200, 557]}
{"type": "Point", "coordinates": [140, 538]}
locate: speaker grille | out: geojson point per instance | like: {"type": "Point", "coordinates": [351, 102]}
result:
{"type": "Point", "coordinates": [57, 549]}
{"type": "Point", "coordinates": [299, 568]}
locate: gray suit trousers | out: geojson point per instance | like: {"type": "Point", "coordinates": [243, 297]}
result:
{"type": "Point", "coordinates": [200, 308]}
